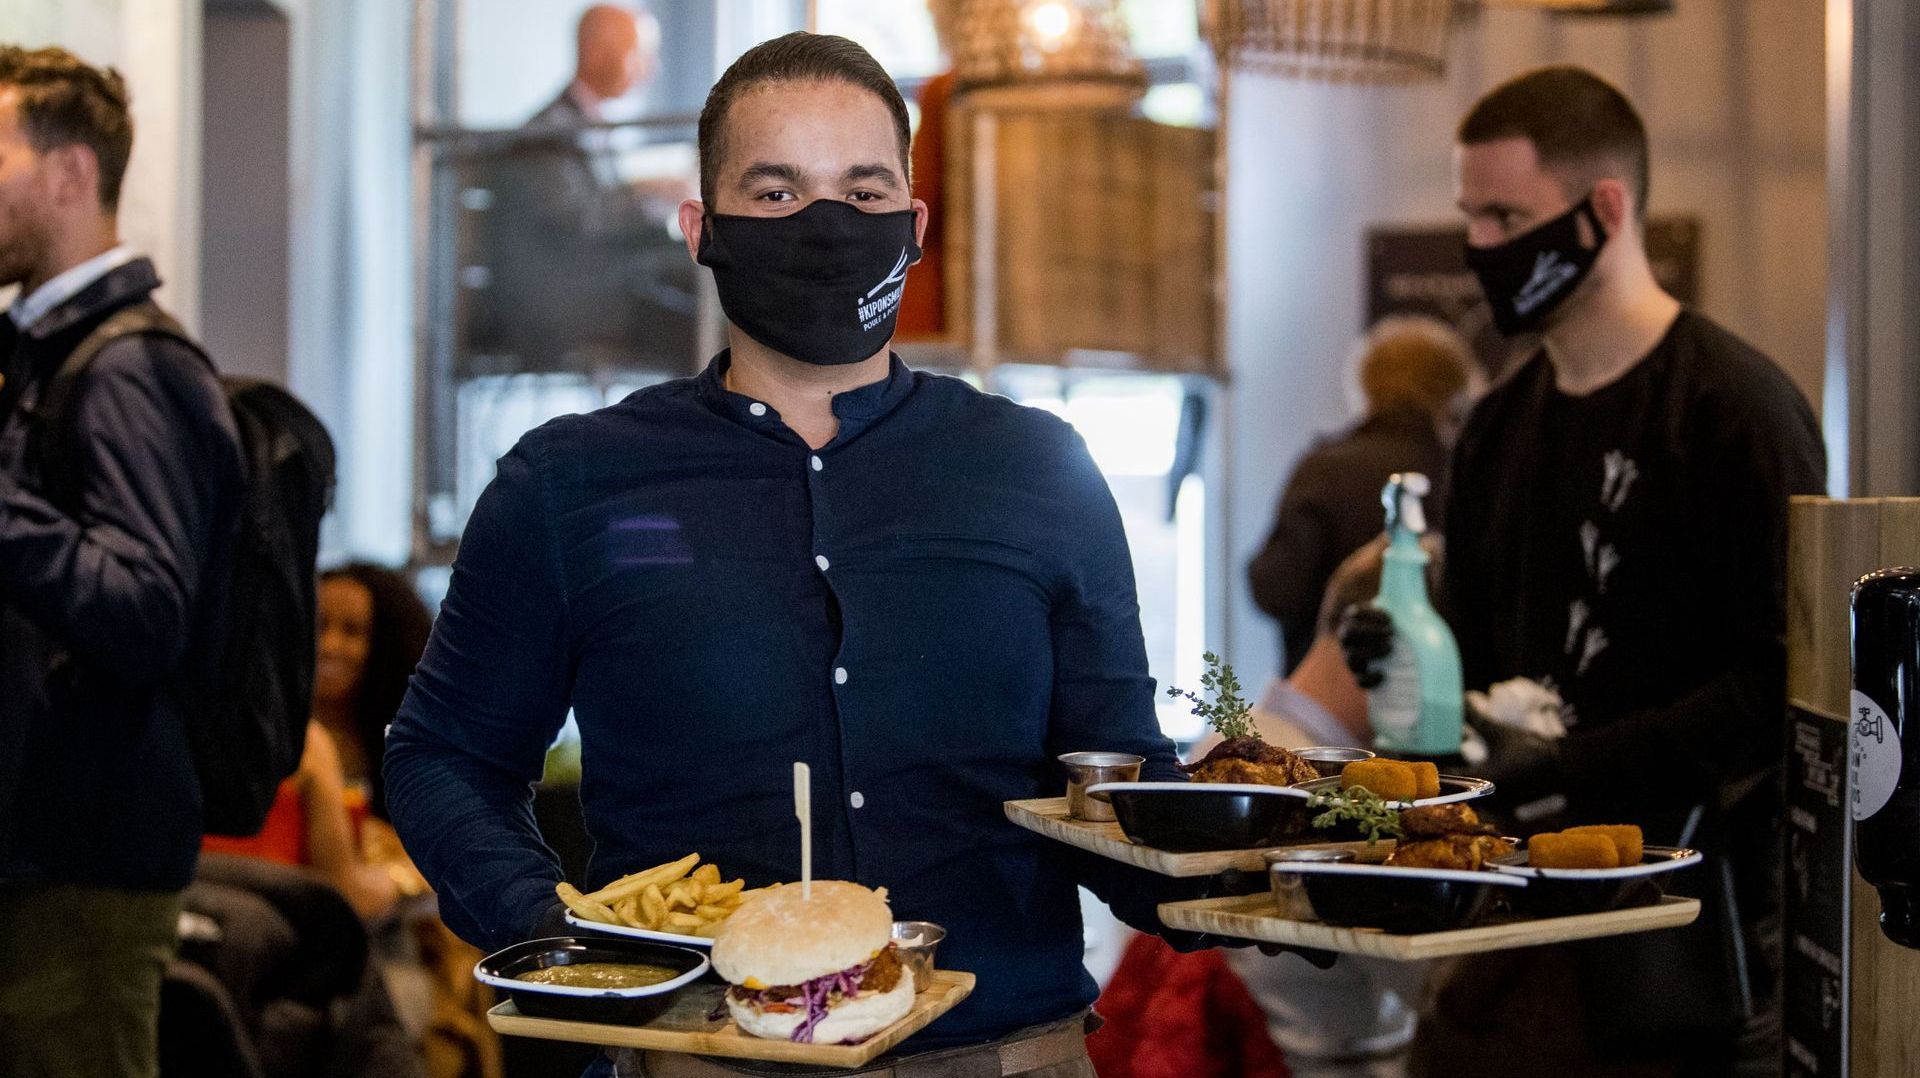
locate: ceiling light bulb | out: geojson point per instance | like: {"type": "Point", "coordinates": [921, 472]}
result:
{"type": "Point", "coordinates": [1051, 22]}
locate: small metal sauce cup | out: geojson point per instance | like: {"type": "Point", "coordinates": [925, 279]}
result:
{"type": "Point", "coordinates": [1086, 769]}
{"type": "Point", "coordinates": [916, 941]}
{"type": "Point", "coordinates": [1289, 888]}
{"type": "Point", "coordinates": [1329, 759]}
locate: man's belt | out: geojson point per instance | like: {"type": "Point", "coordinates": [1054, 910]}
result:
{"type": "Point", "coordinates": [1027, 1050]}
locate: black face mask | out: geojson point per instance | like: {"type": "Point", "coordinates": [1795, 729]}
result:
{"type": "Point", "coordinates": [821, 285]}
{"type": "Point", "coordinates": [1526, 278]}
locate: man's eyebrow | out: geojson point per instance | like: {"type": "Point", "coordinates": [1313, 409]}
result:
{"type": "Point", "coordinates": [883, 174]}
{"type": "Point", "coordinates": [769, 170]}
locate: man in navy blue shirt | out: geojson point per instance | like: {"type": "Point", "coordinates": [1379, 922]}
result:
{"type": "Point", "coordinates": [808, 552]}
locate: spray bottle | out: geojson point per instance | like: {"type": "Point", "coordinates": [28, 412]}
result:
{"type": "Point", "coordinates": [1416, 707]}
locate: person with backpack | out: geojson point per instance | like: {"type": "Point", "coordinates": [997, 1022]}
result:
{"type": "Point", "coordinates": [142, 698]}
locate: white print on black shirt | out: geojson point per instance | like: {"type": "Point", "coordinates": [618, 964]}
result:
{"type": "Point", "coordinates": [1621, 473]}
{"type": "Point", "coordinates": [1602, 559]}
{"type": "Point", "coordinates": [1586, 639]}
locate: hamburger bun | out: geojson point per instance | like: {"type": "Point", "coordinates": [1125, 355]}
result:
{"type": "Point", "coordinates": [779, 938]}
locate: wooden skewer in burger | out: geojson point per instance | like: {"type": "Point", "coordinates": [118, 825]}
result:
{"type": "Point", "coordinates": [813, 964]}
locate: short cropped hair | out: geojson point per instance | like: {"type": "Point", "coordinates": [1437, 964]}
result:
{"type": "Point", "coordinates": [67, 102]}
{"type": "Point", "coordinates": [1412, 362]}
{"type": "Point", "coordinates": [1577, 121]}
{"type": "Point", "coordinates": [795, 57]}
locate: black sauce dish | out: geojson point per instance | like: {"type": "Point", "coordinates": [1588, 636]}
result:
{"type": "Point", "coordinates": [616, 1006]}
{"type": "Point", "coordinates": [1195, 817]}
{"type": "Point", "coordinates": [1345, 893]}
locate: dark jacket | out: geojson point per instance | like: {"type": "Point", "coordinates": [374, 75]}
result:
{"type": "Point", "coordinates": [1331, 508]}
{"type": "Point", "coordinates": [99, 601]}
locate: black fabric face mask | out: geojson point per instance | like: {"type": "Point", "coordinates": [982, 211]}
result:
{"type": "Point", "coordinates": [1526, 278]}
{"type": "Point", "coordinates": [821, 285]}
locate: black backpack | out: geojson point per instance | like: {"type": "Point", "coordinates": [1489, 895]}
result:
{"type": "Point", "coordinates": [246, 687]}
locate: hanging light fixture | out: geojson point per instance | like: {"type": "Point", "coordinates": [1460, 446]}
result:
{"type": "Point", "coordinates": [1025, 45]}
{"type": "Point", "coordinates": [1372, 41]}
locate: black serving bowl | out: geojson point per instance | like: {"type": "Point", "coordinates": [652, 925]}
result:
{"type": "Point", "coordinates": [617, 1006]}
{"type": "Point", "coordinates": [1194, 817]}
{"type": "Point", "coordinates": [1403, 901]}
{"type": "Point", "coordinates": [1567, 892]}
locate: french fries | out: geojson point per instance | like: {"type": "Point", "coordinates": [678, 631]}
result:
{"type": "Point", "coordinates": [675, 897]}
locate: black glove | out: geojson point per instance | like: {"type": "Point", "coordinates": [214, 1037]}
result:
{"type": "Point", "coordinates": [1365, 633]}
{"type": "Point", "coordinates": [1524, 765]}
{"type": "Point", "coordinates": [1235, 882]}
{"type": "Point", "coordinates": [553, 922]}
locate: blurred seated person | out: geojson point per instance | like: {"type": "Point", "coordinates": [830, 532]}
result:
{"type": "Point", "coordinates": [309, 824]}
{"type": "Point", "coordinates": [373, 628]}
{"type": "Point", "coordinates": [583, 264]}
{"type": "Point", "coordinates": [1414, 373]}
{"type": "Point", "coordinates": [1171, 1014]}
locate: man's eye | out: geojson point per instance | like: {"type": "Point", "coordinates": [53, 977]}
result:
{"type": "Point", "coordinates": [865, 196]}
{"type": "Point", "coordinates": [776, 196]}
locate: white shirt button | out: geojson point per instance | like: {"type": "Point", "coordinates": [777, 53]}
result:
{"type": "Point", "coordinates": [858, 800]}
{"type": "Point", "coordinates": [757, 408]}
{"type": "Point", "coordinates": [839, 675]}
{"type": "Point", "coordinates": [821, 561]}
{"type": "Point", "coordinates": [816, 464]}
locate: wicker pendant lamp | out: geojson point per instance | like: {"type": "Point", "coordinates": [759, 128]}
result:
{"type": "Point", "coordinates": [1051, 49]}
{"type": "Point", "coordinates": [1369, 41]}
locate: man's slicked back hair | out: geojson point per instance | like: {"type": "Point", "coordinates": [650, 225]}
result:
{"type": "Point", "coordinates": [794, 58]}
{"type": "Point", "coordinates": [1577, 121]}
{"type": "Point", "coordinates": [63, 101]}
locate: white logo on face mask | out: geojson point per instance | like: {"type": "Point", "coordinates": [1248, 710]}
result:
{"type": "Point", "coordinates": [874, 311]}
{"type": "Point", "coordinates": [1549, 273]}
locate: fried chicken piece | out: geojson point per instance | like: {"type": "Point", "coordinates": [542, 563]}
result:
{"type": "Point", "coordinates": [1250, 759]}
{"type": "Point", "coordinates": [1432, 821]}
{"type": "Point", "coordinates": [1468, 853]}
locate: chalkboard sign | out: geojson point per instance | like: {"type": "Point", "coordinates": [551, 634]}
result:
{"type": "Point", "coordinates": [1819, 880]}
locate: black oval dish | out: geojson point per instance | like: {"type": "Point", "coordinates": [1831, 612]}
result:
{"type": "Point", "coordinates": [1194, 817]}
{"type": "Point", "coordinates": [619, 1006]}
{"type": "Point", "coordinates": [1403, 901]}
{"type": "Point", "coordinates": [1567, 892]}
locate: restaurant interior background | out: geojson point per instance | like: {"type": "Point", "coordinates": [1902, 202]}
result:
{"type": "Point", "coordinates": [303, 179]}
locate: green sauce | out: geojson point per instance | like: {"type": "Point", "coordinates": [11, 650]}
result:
{"type": "Point", "coordinates": [601, 975]}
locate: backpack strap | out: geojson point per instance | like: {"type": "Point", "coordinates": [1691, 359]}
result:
{"type": "Point", "coordinates": [53, 453]}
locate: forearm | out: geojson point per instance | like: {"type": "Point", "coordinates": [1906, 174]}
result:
{"type": "Point", "coordinates": [1681, 753]}
{"type": "Point", "coordinates": [470, 830]}
{"type": "Point", "coordinates": [119, 604]}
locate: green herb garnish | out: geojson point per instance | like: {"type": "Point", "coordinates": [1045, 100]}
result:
{"type": "Point", "coordinates": [1360, 806]}
{"type": "Point", "coordinates": [1229, 714]}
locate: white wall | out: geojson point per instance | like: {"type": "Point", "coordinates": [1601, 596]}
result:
{"type": "Point", "coordinates": [156, 45]}
{"type": "Point", "coordinates": [1733, 95]}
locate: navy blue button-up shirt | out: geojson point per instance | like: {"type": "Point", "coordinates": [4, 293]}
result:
{"type": "Point", "coordinates": [927, 610]}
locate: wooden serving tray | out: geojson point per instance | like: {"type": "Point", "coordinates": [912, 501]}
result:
{"type": "Point", "coordinates": [1254, 917]}
{"type": "Point", "coordinates": [684, 1027]}
{"type": "Point", "coordinates": [1048, 816]}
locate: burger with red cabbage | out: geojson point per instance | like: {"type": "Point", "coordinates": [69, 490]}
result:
{"type": "Point", "coordinates": [819, 970]}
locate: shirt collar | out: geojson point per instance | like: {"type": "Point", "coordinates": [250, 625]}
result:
{"type": "Point", "coordinates": [857, 409]}
{"type": "Point", "coordinates": [28, 309]}
{"type": "Point", "coordinates": [585, 100]}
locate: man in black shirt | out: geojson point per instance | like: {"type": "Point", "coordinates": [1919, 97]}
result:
{"type": "Point", "coordinates": [1618, 530]}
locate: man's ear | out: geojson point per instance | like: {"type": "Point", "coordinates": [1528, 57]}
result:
{"type": "Point", "coordinates": [1614, 205]}
{"type": "Point", "coordinates": [921, 215]}
{"type": "Point", "coordinates": [75, 172]}
{"type": "Point", "coordinates": [693, 218]}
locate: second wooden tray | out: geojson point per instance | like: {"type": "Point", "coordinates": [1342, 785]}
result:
{"type": "Point", "coordinates": [1048, 816]}
{"type": "Point", "coordinates": [1254, 917]}
{"type": "Point", "coordinates": [686, 1028]}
